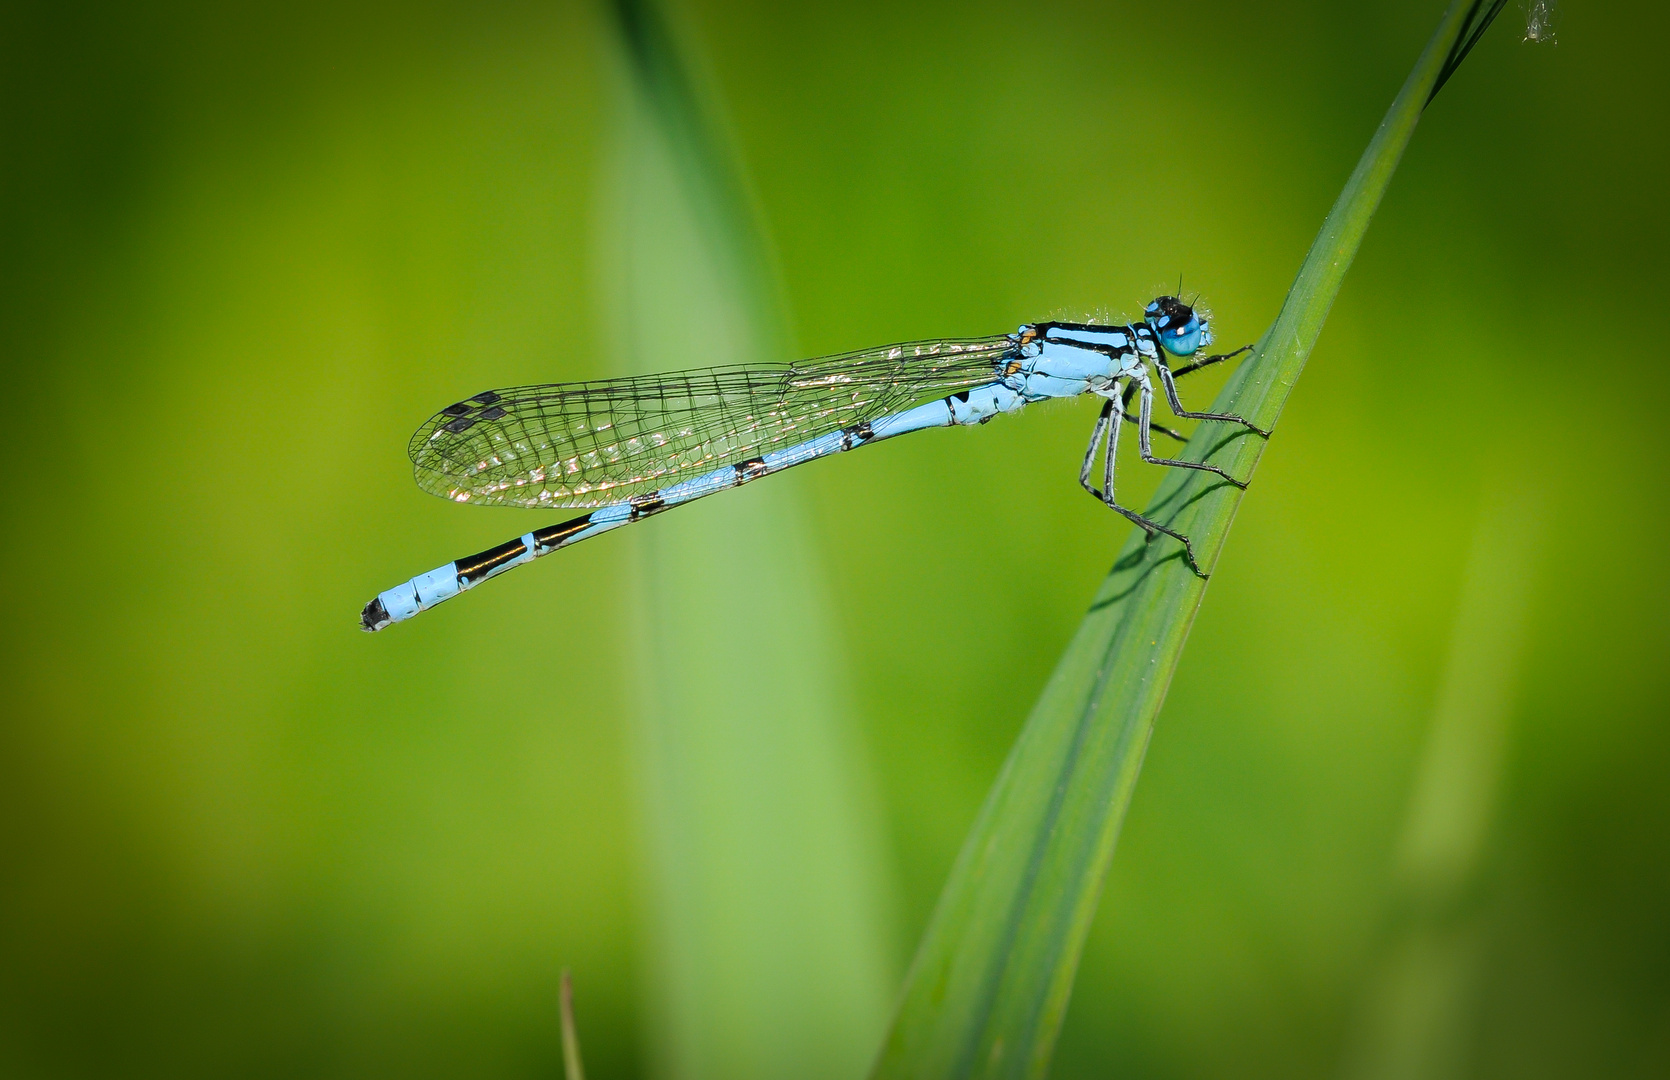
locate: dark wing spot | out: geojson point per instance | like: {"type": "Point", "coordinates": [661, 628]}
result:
{"type": "Point", "coordinates": [456, 410]}
{"type": "Point", "coordinates": [492, 413]}
{"type": "Point", "coordinates": [461, 425]}
{"type": "Point", "coordinates": [486, 397]}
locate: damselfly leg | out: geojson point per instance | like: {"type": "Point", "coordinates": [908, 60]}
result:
{"type": "Point", "coordinates": [1145, 410]}
{"type": "Point", "coordinates": [1107, 422]}
{"type": "Point", "coordinates": [1117, 408]}
{"type": "Point", "coordinates": [1196, 365]}
{"type": "Point", "coordinates": [1168, 378]}
{"type": "Point", "coordinates": [1132, 418]}
{"type": "Point", "coordinates": [1177, 405]}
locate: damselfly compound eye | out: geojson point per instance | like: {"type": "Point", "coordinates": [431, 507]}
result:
{"type": "Point", "coordinates": [1177, 326]}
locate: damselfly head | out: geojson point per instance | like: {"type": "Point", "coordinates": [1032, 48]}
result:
{"type": "Point", "coordinates": [1177, 326]}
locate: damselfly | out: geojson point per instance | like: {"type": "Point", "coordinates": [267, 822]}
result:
{"type": "Point", "coordinates": [636, 447]}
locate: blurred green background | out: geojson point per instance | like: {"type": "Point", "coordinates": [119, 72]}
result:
{"type": "Point", "coordinates": [1409, 789]}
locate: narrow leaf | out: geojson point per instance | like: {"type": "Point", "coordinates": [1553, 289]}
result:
{"type": "Point", "coordinates": [759, 864]}
{"type": "Point", "coordinates": [572, 1069]}
{"type": "Point", "coordinates": [989, 985]}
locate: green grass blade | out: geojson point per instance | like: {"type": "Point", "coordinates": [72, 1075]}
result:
{"type": "Point", "coordinates": [1422, 1000]}
{"type": "Point", "coordinates": [572, 1068]}
{"type": "Point", "coordinates": [760, 866]}
{"type": "Point", "coordinates": [990, 982]}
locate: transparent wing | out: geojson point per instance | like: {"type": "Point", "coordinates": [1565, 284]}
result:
{"type": "Point", "coordinates": [596, 443]}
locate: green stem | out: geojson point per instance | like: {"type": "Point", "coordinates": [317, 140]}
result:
{"type": "Point", "coordinates": [572, 1069]}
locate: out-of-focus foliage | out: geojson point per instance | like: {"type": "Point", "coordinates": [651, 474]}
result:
{"type": "Point", "coordinates": [762, 856]}
{"type": "Point", "coordinates": [244, 250]}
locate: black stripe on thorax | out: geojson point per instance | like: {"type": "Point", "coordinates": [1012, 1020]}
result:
{"type": "Point", "coordinates": [1094, 328]}
{"type": "Point", "coordinates": [1131, 331]}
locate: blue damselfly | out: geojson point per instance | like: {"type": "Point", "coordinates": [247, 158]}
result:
{"type": "Point", "coordinates": [634, 447]}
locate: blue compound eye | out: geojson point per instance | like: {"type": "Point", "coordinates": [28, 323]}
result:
{"type": "Point", "coordinates": [1177, 326]}
{"type": "Point", "coordinates": [1183, 340]}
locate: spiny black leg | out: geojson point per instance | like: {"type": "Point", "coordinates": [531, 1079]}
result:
{"type": "Point", "coordinates": [1109, 458]}
{"type": "Point", "coordinates": [1090, 453]}
{"type": "Point", "coordinates": [1209, 361]}
{"type": "Point", "coordinates": [1148, 451]}
{"type": "Point", "coordinates": [1109, 421]}
{"type": "Point", "coordinates": [1167, 378]}
{"type": "Point", "coordinates": [1125, 401]}
{"type": "Point", "coordinates": [1178, 435]}
{"type": "Point", "coordinates": [1153, 527]}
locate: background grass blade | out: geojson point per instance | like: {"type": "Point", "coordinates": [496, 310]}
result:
{"type": "Point", "coordinates": [991, 978]}
{"type": "Point", "coordinates": [760, 865]}
{"type": "Point", "coordinates": [1420, 1005]}
{"type": "Point", "coordinates": [572, 1067]}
